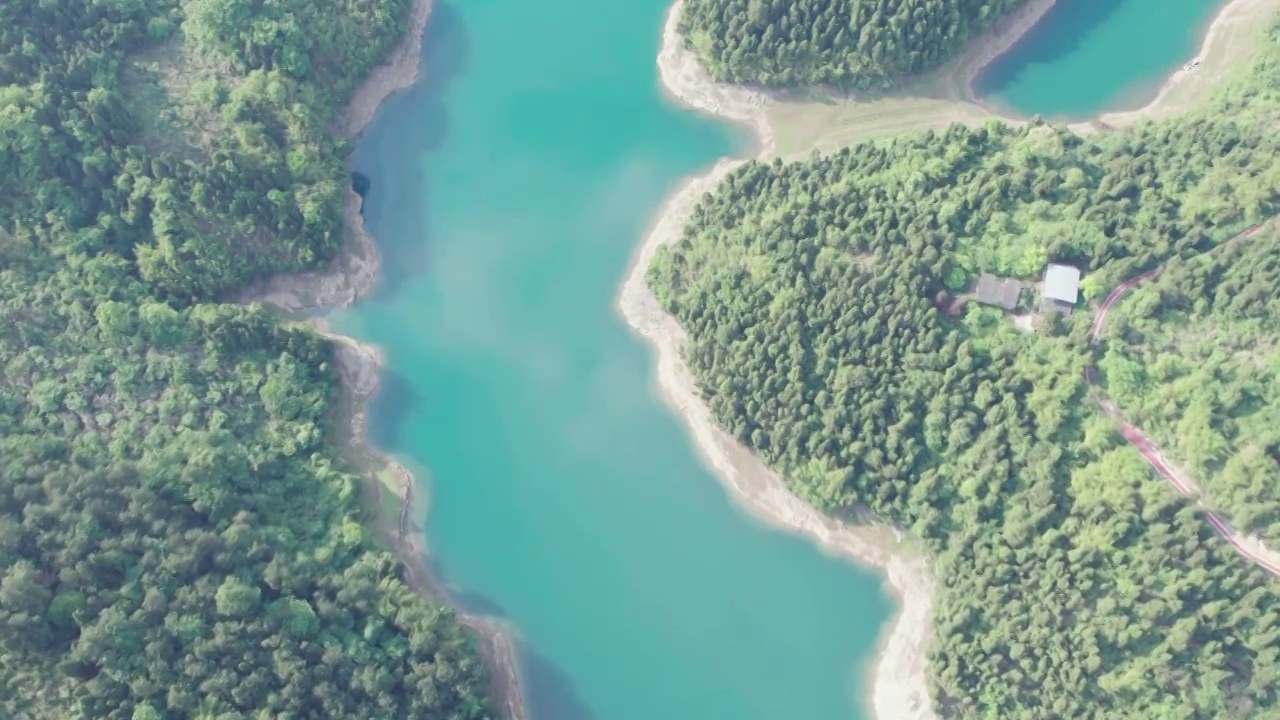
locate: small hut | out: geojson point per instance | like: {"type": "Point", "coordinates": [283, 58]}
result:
{"type": "Point", "coordinates": [998, 291]}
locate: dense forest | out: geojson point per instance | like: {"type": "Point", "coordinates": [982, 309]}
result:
{"type": "Point", "coordinates": [852, 44]}
{"type": "Point", "coordinates": [176, 539]}
{"type": "Point", "coordinates": [1073, 583]}
{"type": "Point", "coordinates": [1193, 357]}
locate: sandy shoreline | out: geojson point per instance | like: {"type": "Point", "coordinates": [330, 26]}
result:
{"type": "Point", "coordinates": [944, 96]}
{"type": "Point", "coordinates": [900, 690]}
{"type": "Point", "coordinates": [1217, 55]}
{"type": "Point", "coordinates": [900, 686]}
{"type": "Point", "coordinates": [353, 274]}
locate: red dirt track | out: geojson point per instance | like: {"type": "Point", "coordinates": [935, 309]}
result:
{"type": "Point", "coordinates": [1147, 448]}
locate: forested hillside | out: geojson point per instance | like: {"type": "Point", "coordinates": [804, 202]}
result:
{"type": "Point", "coordinates": [847, 43]}
{"type": "Point", "coordinates": [1073, 583]}
{"type": "Point", "coordinates": [175, 539]}
{"type": "Point", "coordinates": [1193, 357]}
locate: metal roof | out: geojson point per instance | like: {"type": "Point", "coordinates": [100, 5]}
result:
{"type": "Point", "coordinates": [1062, 282]}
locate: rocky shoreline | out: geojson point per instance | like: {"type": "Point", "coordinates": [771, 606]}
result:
{"type": "Point", "coordinates": [900, 685]}
{"type": "Point", "coordinates": [360, 367]}
{"type": "Point", "coordinates": [900, 682]}
{"type": "Point", "coordinates": [352, 275]}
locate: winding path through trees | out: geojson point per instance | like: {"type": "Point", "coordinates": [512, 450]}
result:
{"type": "Point", "coordinates": [1250, 548]}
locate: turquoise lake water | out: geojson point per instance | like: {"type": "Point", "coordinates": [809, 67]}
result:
{"type": "Point", "coordinates": [1089, 56]}
{"type": "Point", "coordinates": [510, 189]}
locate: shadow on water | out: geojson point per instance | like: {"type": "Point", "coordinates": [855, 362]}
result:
{"type": "Point", "coordinates": [395, 402]}
{"type": "Point", "coordinates": [470, 602]}
{"type": "Point", "coordinates": [445, 57]}
{"type": "Point", "coordinates": [1058, 34]}
{"type": "Point", "coordinates": [549, 694]}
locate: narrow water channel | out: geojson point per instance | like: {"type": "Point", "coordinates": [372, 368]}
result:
{"type": "Point", "coordinates": [1089, 56]}
{"type": "Point", "coordinates": [509, 190]}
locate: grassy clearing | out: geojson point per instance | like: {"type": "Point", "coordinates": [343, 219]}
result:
{"type": "Point", "coordinates": [825, 123]}
{"type": "Point", "coordinates": [176, 99]}
{"type": "Point", "coordinates": [934, 100]}
{"type": "Point", "coordinates": [388, 493]}
{"type": "Point", "coordinates": [830, 125]}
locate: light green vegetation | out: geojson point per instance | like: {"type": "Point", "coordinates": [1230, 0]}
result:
{"type": "Point", "coordinates": [801, 126]}
{"type": "Point", "coordinates": [1193, 358]}
{"type": "Point", "coordinates": [176, 539]}
{"type": "Point", "coordinates": [1074, 584]}
{"type": "Point", "coordinates": [845, 43]}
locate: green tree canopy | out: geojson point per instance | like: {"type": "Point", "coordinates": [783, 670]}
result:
{"type": "Point", "coordinates": [1072, 582]}
{"type": "Point", "coordinates": [845, 43]}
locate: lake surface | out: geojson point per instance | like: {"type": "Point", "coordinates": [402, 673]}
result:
{"type": "Point", "coordinates": [1090, 56]}
{"type": "Point", "coordinates": [510, 189]}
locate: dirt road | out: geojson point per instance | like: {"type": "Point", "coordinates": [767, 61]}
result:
{"type": "Point", "coordinates": [1143, 444]}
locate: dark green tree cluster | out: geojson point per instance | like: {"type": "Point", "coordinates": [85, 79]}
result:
{"type": "Point", "coordinates": [304, 40]}
{"type": "Point", "coordinates": [856, 44]}
{"type": "Point", "coordinates": [1193, 357]}
{"type": "Point", "coordinates": [261, 192]}
{"type": "Point", "coordinates": [1074, 584]}
{"type": "Point", "coordinates": [176, 540]}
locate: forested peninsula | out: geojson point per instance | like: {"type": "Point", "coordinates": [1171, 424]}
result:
{"type": "Point", "coordinates": [177, 539]}
{"type": "Point", "coordinates": [820, 300]}
{"type": "Point", "coordinates": [851, 44]}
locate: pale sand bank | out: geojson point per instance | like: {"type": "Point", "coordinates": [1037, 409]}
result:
{"type": "Point", "coordinates": [934, 100]}
{"type": "Point", "coordinates": [351, 276]}
{"type": "Point", "coordinates": [945, 96]}
{"type": "Point", "coordinates": [900, 685]}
